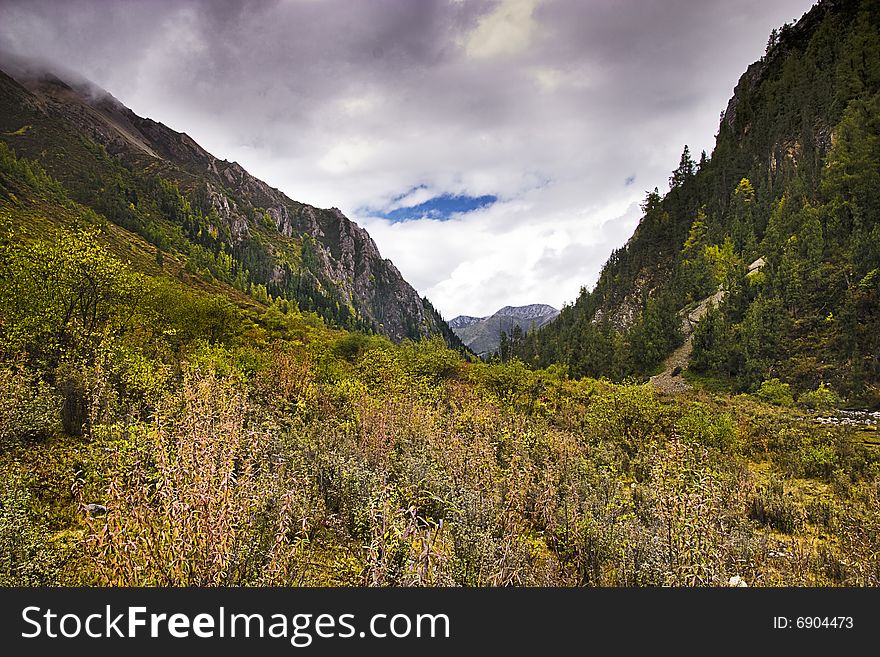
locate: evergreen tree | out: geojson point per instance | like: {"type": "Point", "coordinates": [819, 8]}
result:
{"type": "Point", "coordinates": [686, 169]}
{"type": "Point", "coordinates": [504, 347]}
{"type": "Point", "coordinates": [743, 225]}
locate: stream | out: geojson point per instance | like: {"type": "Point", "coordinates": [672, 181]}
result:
{"type": "Point", "coordinates": [857, 419]}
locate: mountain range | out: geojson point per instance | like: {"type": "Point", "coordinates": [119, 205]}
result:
{"type": "Point", "coordinates": [791, 182]}
{"type": "Point", "coordinates": [226, 225]}
{"type": "Point", "coordinates": [483, 334]}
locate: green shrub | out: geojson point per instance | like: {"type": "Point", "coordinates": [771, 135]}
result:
{"type": "Point", "coordinates": [351, 345]}
{"type": "Point", "coordinates": [28, 406]}
{"type": "Point", "coordinates": [774, 391]}
{"type": "Point", "coordinates": [818, 457]}
{"type": "Point", "coordinates": [708, 427]}
{"type": "Point", "coordinates": [27, 556]}
{"type": "Point", "coordinates": [430, 359]}
{"type": "Point", "coordinates": [629, 416]}
{"type": "Point", "coordinates": [822, 398]}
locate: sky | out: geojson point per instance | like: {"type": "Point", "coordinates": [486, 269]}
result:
{"type": "Point", "coordinates": [496, 151]}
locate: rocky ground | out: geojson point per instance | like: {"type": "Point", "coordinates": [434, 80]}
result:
{"type": "Point", "coordinates": [670, 380]}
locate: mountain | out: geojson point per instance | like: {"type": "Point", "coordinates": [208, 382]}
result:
{"type": "Point", "coordinates": [793, 182]}
{"type": "Point", "coordinates": [463, 320]}
{"type": "Point", "coordinates": [483, 334]}
{"type": "Point", "coordinates": [224, 223]}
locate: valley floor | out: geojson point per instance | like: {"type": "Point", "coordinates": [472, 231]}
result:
{"type": "Point", "coordinates": [345, 460]}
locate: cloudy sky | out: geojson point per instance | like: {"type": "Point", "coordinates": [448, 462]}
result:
{"type": "Point", "coordinates": [495, 150]}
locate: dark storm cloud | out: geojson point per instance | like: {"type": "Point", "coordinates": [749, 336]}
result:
{"type": "Point", "coordinates": [547, 105]}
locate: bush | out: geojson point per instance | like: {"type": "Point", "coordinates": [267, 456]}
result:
{"type": "Point", "coordinates": [206, 503]}
{"type": "Point", "coordinates": [774, 391]}
{"type": "Point", "coordinates": [27, 557]}
{"type": "Point", "coordinates": [822, 398]}
{"type": "Point", "coordinates": [708, 427]}
{"type": "Point", "coordinates": [351, 346]}
{"type": "Point", "coordinates": [629, 416]}
{"type": "Point", "coordinates": [773, 507]}
{"type": "Point", "coordinates": [28, 406]}
{"type": "Point", "coordinates": [430, 359]}
{"type": "Point", "coordinates": [818, 457]}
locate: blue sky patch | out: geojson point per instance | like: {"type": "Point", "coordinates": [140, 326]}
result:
{"type": "Point", "coordinates": [439, 208]}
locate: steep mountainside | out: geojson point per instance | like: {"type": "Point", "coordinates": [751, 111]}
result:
{"type": "Point", "coordinates": [483, 335]}
{"type": "Point", "coordinates": [225, 223]}
{"type": "Point", "coordinates": [794, 179]}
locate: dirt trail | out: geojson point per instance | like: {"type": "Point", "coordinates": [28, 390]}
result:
{"type": "Point", "coordinates": [677, 361]}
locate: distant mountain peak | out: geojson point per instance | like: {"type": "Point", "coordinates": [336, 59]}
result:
{"type": "Point", "coordinates": [463, 320]}
{"type": "Point", "coordinates": [532, 310]}
{"type": "Point", "coordinates": [483, 334]}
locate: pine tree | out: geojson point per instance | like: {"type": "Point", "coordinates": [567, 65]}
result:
{"type": "Point", "coordinates": [504, 347]}
{"type": "Point", "coordinates": [686, 169]}
{"type": "Point", "coordinates": [742, 227]}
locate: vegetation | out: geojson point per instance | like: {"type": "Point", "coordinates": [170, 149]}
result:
{"type": "Point", "coordinates": [793, 181]}
{"type": "Point", "coordinates": [151, 442]}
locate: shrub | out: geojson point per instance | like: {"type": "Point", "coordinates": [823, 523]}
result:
{"type": "Point", "coordinates": [708, 427]}
{"type": "Point", "coordinates": [61, 297]}
{"type": "Point", "coordinates": [629, 416]}
{"type": "Point", "coordinates": [206, 503]}
{"type": "Point", "coordinates": [430, 359]}
{"type": "Point", "coordinates": [819, 457]}
{"type": "Point", "coordinates": [27, 556]}
{"type": "Point", "coordinates": [774, 391]}
{"type": "Point", "coordinates": [28, 406]}
{"type": "Point", "coordinates": [351, 346]}
{"type": "Point", "coordinates": [822, 398]}
{"type": "Point", "coordinates": [774, 507]}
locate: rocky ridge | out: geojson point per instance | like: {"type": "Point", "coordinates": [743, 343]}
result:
{"type": "Point", "coordinates": [346, 267]}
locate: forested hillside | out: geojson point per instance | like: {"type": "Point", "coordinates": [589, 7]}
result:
{"type": "Point", "coordinates": [211, 214]}
{"type": "Point", "coordinates": [794, 180]}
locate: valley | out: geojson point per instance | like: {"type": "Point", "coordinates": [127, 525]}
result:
{"type": "Point", "coordinates": [206, 383]}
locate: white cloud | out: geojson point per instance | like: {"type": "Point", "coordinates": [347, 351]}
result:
{"type": "Point", "coordinates": [348, 155]}
{"type": "Point", "coordinates": [416, 197]}
{"type": "Point", "coordinates": [506, 30]}
{"type": "Point", "coordinates": [475, 268]}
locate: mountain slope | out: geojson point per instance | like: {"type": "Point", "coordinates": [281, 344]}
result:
{"type": "Point", "coordinates": [224, 222]}
{"type": "Point", "coordinates": [483, 334]}
{"type": "Point", "coordinates": [793, 180]}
